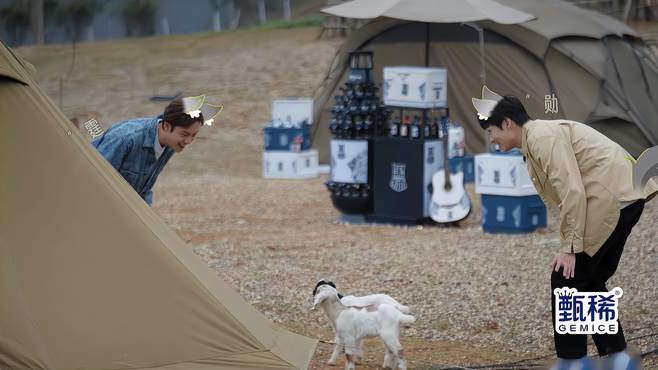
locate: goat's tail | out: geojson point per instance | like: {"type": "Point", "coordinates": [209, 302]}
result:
{"type": "Point", "coordinates": [402, 308]}
{"type": "Point", "coordinates": [407, 319]}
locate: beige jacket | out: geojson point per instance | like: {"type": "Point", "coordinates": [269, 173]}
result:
{"type": "Point", "coordinates": [585, 175]}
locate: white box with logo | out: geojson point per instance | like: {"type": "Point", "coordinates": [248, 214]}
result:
{"type": "Point", "coordinates": [415, 87]}
{"type": "Point", "coordinates": [502, 174]}
{"type": "Point", "coordinates": [293, 110]}
{"type": "Point", "coordinates": [290, 165]}
{"type": "Point", "coordinates": [349, 161]}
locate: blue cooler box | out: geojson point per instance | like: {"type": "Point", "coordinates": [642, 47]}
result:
{"type": "Point", "coordinates": [512, 215]}
{"type": "Point", "coordinates": [279, 138]}
{"type": "Point", "coordinates": [464, 164]}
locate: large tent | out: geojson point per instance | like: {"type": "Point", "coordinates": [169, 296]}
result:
{"type": "Point", "coordinates": [599, 70]}
{"type": "Point", "coordinates": [91, 277]}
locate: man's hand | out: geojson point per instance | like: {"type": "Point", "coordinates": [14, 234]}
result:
{"type": "Point", "coordinates": [567, 261]}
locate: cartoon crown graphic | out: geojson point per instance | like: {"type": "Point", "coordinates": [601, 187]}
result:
{"type": "Point", "coordinates": [486, 105]}
{"type": "Point", "coordinates": [209, 112]}
{"type": "Point", "coordinates": [196, 105]}
{"type": "Point", "coordinates": [192, 105]}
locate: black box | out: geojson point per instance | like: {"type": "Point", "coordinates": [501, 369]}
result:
{"type": "Point", "coordinates": [403, 170]}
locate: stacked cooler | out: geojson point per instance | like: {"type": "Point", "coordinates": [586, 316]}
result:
{"type": "Point", "coordinates": [510, 203]}
{"type": "Point", "coordinates": [288, 153]}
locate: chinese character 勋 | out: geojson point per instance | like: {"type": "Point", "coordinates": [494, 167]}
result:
{"type": "Point", "coordinates": [550, 104]}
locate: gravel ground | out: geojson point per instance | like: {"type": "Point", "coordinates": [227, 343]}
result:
{"type": "Point", "coordinates": [479, 298]}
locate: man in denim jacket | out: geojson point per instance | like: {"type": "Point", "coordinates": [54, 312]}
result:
{"type": "Point", "coordinates": [140, 148]}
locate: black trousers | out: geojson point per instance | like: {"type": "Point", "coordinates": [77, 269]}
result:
{"type": "Point", "coordinates": [591, 275]}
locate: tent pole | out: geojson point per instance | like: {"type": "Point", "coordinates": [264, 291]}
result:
{"type": "Point", "coordinates": [483, 69]}
{"type": "Point", "coordinates": [483, 73]}
{"type": "Point", "coordinates": [427, 44]}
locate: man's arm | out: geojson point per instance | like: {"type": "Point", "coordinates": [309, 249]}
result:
{"type": "Point", "coordinates": [114, 148]}
{"type": "Point", "coordinates": [558, 161]}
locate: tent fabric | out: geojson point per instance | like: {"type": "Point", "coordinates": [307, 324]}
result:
{"type": "Point", "coordinates": [592, 56]}
{"type": "Point", "coordinates": [595, 66]}
{"type": "Point", "coordinates": [431, 10]}
{"type": "Point", "coordinates": [557, 19]}
{"type": "Point", "coordinates": [578, 90]}
{"type": "Point", "coordinates": [635, 86]}
{"type": "Point", "coordinates": [91, 277]}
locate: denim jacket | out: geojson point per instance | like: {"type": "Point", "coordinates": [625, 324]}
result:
{"type": "Point", "coordinates": [128, 146]}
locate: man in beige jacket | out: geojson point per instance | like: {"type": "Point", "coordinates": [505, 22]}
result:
{"type": "Point", "coordinates": [588, 179]}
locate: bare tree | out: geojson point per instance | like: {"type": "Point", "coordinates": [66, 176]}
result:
{"type": "Point", "coordinates": [287, 11]}
{"type": "Point", "coordinates": [262, 14]}
{"type": "Point", "coordinates": [15, 18]}
{"type": "Point", "coordinates": [217, 14]}
{"type": "Point", "coordinates": [77, 17]}
{"type": "Point", "coordinates": [37, 21]}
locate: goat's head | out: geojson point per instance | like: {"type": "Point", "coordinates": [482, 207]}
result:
{"type": "Point", "coordinates": [323, 282]}
{"type": "Point", "coordinates": [324, 292]}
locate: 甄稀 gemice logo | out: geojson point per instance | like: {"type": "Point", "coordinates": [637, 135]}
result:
{"type": "Point", "coordinates": [586, 312]}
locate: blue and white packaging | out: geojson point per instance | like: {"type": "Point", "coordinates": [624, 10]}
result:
{"type": "Point", "coordinates": [415, 87]}
{"type": "Point", "coordinates": [511, 215]}
{"type": "Point", "coordinates": [502, 174]}
{"type": "Point", "coordinates": [290, 127]}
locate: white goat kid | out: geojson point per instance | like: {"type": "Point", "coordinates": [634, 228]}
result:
{"type": "Point", "coordinates": [354, 324]}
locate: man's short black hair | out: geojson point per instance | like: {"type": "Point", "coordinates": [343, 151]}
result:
{"type": "Point", "coordinates": [175, 114]}
{"type": "Point", "coordinates": [508, 107]}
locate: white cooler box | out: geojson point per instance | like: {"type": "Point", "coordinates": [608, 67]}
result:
{"type": "Point", "coordinates": [290, 165]}
{"type": "Point", "coordinates": [415, 87]}
{"type": "Point", "coordinates": [293, 110]}
{"type": "Point", "coordinates": [502, 174]}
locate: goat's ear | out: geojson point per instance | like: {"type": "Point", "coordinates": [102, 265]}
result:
{"type": "Point", "coordinates": [318, 299]}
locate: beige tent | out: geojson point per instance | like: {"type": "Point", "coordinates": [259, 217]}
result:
{"type": "Point", "coordinates": [91, 277]}
{"type": "Point", "coordinates": [598, 69]}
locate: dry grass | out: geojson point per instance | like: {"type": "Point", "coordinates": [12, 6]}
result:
{"type": "Point", "coordinates": [479, 298]}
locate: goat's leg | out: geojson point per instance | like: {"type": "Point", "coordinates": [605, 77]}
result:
{"type": "Point", "coordinates": [338, 350]}
{"type": "Point", "coordinates": [358, 353]}
{"type": "Point", "coordinates": [349, 364]}
{"type": "Point", "coordinates": [402, 362]}
{"type": "Point", "coordinates": [351, 352]}
{"type": "Point", "coordinates": [388, 360]}
{"type": "Point", "coordinates": [397, 356]}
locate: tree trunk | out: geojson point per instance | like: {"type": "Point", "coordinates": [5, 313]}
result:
{"type": "Point", "coordinates": [262, 15]}
{"type": "Point", "coordinates": [37, 21]}
{"type": "Point", "coordinates": [165, 26]}
{"type": "Point", "coordinates": [91, 36]}
{"type": "Point", "coordinates": [217, 21]}
{"type": "Point", "coordinates": [287, 11]}
{"type": "Point", "coordinates": [627, 10]}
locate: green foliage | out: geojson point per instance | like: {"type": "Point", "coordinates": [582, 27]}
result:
{"type": "Point", "coordinates": [77, 15]}
{"type": "Point", "coordinates": [16, 20]}
{"type": "Point", "coordinates": [309, 21]}
{"type": "Point", "coordinates": [139, 17]}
